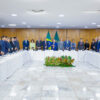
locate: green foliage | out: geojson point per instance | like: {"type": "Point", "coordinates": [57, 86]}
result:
{"type": "Point", "coordinates": [63, 61]}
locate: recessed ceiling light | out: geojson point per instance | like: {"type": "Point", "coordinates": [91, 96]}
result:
{"type": "Point", "coordinates": [24, 23]}
{"type": "Point", "coordinates": [37, 12]}
{"type": "Point", "coordinates": [61, 15]}
{"type": "Point", "coordinates": [91, 11]}
{"type": "Point", "coordinates": [59, 23]}
{"type": "Point", "coordinates": [14, 15]}
{"type": "Point", "coordinates": [2, 26]}
{"type": "Point", "coordinates": [11, 24]}
{"type": "Point", "coordinates": [98, 25]}
{"type": "Point", "coordinates": [93, 23]}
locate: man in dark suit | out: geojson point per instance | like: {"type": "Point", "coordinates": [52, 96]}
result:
{"type": "Point", "coordinates": [81, 44]}
{"type": "Point", "coordinates": [38, 44]}
{"type": "Point", "coordinates": [93, 45]}
{"type": "Point", "coordinates": [16, 43]}
{"type": "Point", "coordinates": [44, 44]}
{"type": "Point", "coordinates": [13, 46]}
{"type": "Point", "coordinates": [3, 48]}
{"type": "Point", "coordinates": [26, 44]}
{"type": "Point", "coordinates": [67, 44]}
{"type": "Point", "coordinates": [98, 45]}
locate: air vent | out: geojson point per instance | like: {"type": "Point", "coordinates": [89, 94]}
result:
{"type": "Point", "coordinates": [37, 12]}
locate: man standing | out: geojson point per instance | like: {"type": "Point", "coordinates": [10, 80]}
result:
{"type": "Point", "coordinates": [67, 44]}
{"type": "Point", "coordinates": [54, 45]}
{"type": "Point", "coordinates": [98, 45]}
{"type": "Point", "coordinates": [44, 44]}
{"type": "Point", "coordinates": [81, 44]}
{"type": "Point", "coordinates": [61, 45]}
{"type": "Point", "coordinates": [73, 45]}
{"type": "Point", "coordinates": [38, 44]}
{"type": "Point", "coordinates": [26, 44]}
{"type": "Point", "coordinates": [16, 43]}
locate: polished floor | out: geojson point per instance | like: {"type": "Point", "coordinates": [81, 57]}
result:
{"type": "Point", "coordinates": [34, 81]}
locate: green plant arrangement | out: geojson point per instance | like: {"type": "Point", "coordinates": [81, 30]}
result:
{"type": "Point", "coordinates": [63, 61]}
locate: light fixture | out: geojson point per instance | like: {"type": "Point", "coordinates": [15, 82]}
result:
{"type": "Point", "coordinates": [93, 23]}
{"type": "Point", "coordinates": [14, 15]}
{"type": "Point", "coordinates": [12, 25]}
{"type": "Point", "coordinates": [61, 15]}
{"type": "Point", "coordinates": [91, 11]}
{"type": "Point", "coordinates": [59, 23]}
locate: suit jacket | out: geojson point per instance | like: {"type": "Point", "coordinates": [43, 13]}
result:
{"type": "Point", "coordinates": [45, 45]}
{"type": "Point", "coordinates": [87, 46]}
{"type": "Point", "coordinates": [55, 46]}
{"type": "Point", "coordinates": [67, 45]}
{"type": "Point", "coordinates": [13, 46]}
{"type": "Point", "coordinates": [93, 46]}
{"type": "Point", "coordinates": [17, 44]}
{"type": "Point", "coordinates": [98, 46]}
{"type": "Point", "coordinates": [73, 46]}
{"type": "Point", "coordinates": [3, 48]}
{"type": "Point", "coordinates": [96, 43]}
{"type": "Point", "coordinates": [25, 45]}
{"type": "Point", "coordinates": [38, 44]}
{"type": "Point", "coordinates": [80, 45]}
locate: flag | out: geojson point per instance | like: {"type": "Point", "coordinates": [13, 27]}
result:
{"type": "Point", "coordinates": [56, 37]}
{"type": "Point", "coordinates": [48, 38]}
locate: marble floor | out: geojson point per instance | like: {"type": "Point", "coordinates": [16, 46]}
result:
{"type": "Point", "coordinates": [34, 81]}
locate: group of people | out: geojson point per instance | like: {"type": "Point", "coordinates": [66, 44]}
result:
{"type": "Point", "coordinates": [8, 45]}
{"type": "Point", "coordinates": [62, 45]}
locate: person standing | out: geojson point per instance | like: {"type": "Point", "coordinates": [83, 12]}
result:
{"type": "Point", "coordinates": [54, 45]}
{"type": "Point", "coordinates": [26, 44]}
{"type": "Point", "coordinates": [16, 42]}
{"type": "Point", "coordinates": [32, 45]}
{"type": "Point", "coordinates": [61, 45]}
{"type": "Point", "coordinates": [93, 45]}
{"type": "Point", "coordinates": [67, 44]}
{"type": "Point", "coordinates": [87, 45]}
{"type": "Point", "coordinates": [73, 45]}
{"type": "Point", "coordinates": [38, 44]}
{"type": "Point", "coordinates": [81, 44]}
{"type": "Point", "coordinates": [45, 44]}
{"type": "Point", "coordinates": [98, 45]}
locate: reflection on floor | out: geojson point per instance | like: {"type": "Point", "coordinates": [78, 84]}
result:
{"type": "Point", "coordinates": [34, 81]}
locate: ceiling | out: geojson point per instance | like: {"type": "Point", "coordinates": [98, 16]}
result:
{"type": "Point", "coordinates": [58, 14]}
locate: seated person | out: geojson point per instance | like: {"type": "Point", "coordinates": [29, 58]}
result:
{"type": "Point", "coordinates": [67, 44]}
{"type": "Point", "coordinates": [87, 45]}
{"type": "Point", "coordinates": [39, 44]}
{"type": "Point", "coordinates": [54, 45]}
{"type": "Point", "coordinates": [45, 44]}
{"type": "Point", "coordinates": [32, 45]}
{"type": "Point", "coordinates": [93, 45]}
{"type": "Point", "coordinates": [73, 45]}
{"type": "Point", "coordinates": [61, 45]}
{"type": "Point", "coordinates": [26, 44]}
{"type": "Point", "coordinates": [81, 44]}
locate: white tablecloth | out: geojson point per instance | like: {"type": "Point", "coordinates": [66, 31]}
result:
{"type": "Point", "coordinates": [11, 62]}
